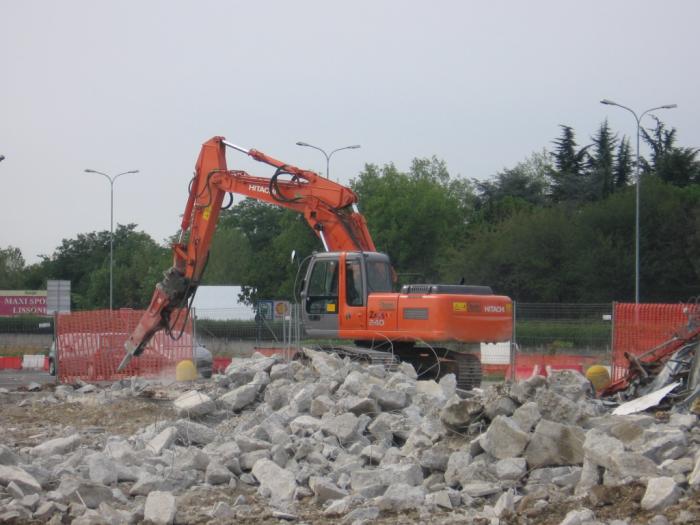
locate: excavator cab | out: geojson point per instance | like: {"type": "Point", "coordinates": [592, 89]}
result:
{"type": "Point", "coordinates": [336, 288]}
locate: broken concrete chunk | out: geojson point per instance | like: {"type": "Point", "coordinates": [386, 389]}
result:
{"type": "Point", "coordinates": [325, 364]}
{"type": "Point", "coordinates": [388, 399]}
{"type": "Point", "coordinates": [325, 490]}
{"type": "Point", "coordinates": [504, 439]}
{"type": "Point", "coordinates": [510, 468]}
{"type": "Point", "coordinates": [578, 517]}
{"type": "Point", "coordinates": [400, 496]}
{"type": "Point", "coordinates": [459, 413]}
{"type": "Point", "coordinates": [600, 448]}
{"type": "Point", "coordinates": [217, 474]}
{"type": "Point", "coordinates": [86, 492]}
{"type": "Point", "coordinates": [527, 416]}
{"type": "Point", "coordinates": [554, 444]}
{"type": "Point", "coordinates": [162, 441]}
{"type": "Point", "coordinates": [500, 406]}
{"type": "Point", "coordinates": [276, 483]}
{"type": "Point", "coordinates": [356, 405]}
{"type": "Point", "coordinates": [21, 478]}
{"type": "Point", "coordinates": [344, 427]}
{"type": "Point", "coordinates": [102, 469]}
{"type": "Point", "coordinates": [457, 465]}
{"type": "Point", "coordinates": [239, 398]}
{"type": "Point", "coordinates": [7, 457]}
{"type": "Point", "coordinates": [191, 433]}
{"type": "Point", "coordinates": [660, 493]}
{"type": "Point", "coordinates": [160, 508]}
{"type": "Point", "coordinates": [57, 446]}
{"type": "Point", "coordinates": [193, 404]}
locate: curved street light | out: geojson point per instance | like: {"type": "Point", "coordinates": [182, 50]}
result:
{"type": "Point", "coordinates": [638, 175]}
{"type": "Point", "coordinates": [111, 223]}
{"type": "Point", "coordinates": [328, 155]}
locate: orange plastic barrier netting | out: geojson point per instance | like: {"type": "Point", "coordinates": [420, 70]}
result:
{"type": "Point", "coordinates": [527, 364]}
{"type": "Point", "coordinates": [640, 327]}
{"type": "Point", "coordinates": [90, 346]}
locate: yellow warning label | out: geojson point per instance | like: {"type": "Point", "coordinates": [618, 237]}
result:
{"type": "Point", "coordinates": [206, 213]}
{"type": "Point", "coordinates": [509, 307]}
{"type": "Point", "coordinates": [330, 308]}
{"type": "Point", "coordinates": [459, 307]}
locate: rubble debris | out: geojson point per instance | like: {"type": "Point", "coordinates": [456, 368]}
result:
{"type": "Point", "coordinates": [332, 438]}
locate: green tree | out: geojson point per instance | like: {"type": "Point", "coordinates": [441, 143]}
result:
{"type": "Point", "coordinates": [11, 268]}
{"type": "Point", "coordinates": [513, 189]}
{"type": "Point", "coordinates": [138, 265]}
{"type": "Point", "coordinates": [252, 248]}
{"type": "Point", "coordinates": [622, 171]}
{"type": "Point", "coordinates": [568, 175]}
{"type": "Point", "coordinates": [601, 163]}
{"type": "Point", "coordinates": [676, 165]}
{"type": "Point", "coordinates": [414, 216]}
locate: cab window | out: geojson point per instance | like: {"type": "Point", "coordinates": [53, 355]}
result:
{"type": "Point", "coordinates": [353, 284]}
{"type": "Point", "coordinates": [322, 293]}
{"type": "Point", "coordinates": [379, 276]}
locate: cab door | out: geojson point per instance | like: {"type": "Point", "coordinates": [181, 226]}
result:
{"type": "Point", "coordinates": [320, 297]}
{"type": "Point", "coordinates": [353, 296]}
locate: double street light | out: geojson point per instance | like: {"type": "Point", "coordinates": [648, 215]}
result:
{"type": "Point", "coordinates": [638, 175]}
{"type": "Point", "coordinates": [111, 224]}
{"type": "Point", "coordinates": [328, 155]}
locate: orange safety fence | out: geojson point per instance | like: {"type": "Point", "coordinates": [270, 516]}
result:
{"type": "Point", "coordinates": [638, 328]}
{"type": "Point", "coordinates": [90, 346]}
{"type": "Point", "coordinates": [528, 364]}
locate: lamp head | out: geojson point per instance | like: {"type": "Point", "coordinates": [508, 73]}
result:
{"type": "Point", "coordinates": [302, 144]}
{"type": "Point", "coordinates": [608, 102]}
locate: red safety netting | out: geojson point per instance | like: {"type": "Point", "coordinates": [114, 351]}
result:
{"type": "Point", "coordinates": [639, 328]}
{"type": "Point", "coordinates": [90, 346]}
{"type": "Point", "coordinates": [528, 364]}
{"type": "Point", "coordinates": [11, 362]}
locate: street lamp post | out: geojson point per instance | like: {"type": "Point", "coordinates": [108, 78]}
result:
{"type": "Point", "coordinates": [111, 224]}
{"type": "Point", "coordinates": [638, 175]}
{"type": "Point", "coordinates": [328, 155]}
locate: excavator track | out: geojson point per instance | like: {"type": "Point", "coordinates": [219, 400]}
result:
{"type": "Point", "coordinates": [466, 367]}
{"type": "Point", "coordinates": [468, 370]}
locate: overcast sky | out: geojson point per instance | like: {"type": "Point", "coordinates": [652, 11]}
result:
{"type": "Point", "coordinates": [117, 86]}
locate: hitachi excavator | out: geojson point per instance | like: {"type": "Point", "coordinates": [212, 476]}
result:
{"type": "Point", "coordinates": [347, 292]}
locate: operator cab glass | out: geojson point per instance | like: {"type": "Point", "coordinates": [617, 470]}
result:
{"type": "Point", "coordinates": [379, 276]}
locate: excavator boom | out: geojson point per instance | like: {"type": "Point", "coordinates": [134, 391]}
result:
{"type": "Point", "coordinates": [329, 208]}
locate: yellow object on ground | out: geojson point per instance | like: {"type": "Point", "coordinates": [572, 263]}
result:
{"type": "Point", "coordinates": [185, 371]}
{"type": "Point", "coordinates": [599, 376]}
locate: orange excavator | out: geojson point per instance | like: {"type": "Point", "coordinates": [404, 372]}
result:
{"type": "Point", "coordinates": [348, 290]}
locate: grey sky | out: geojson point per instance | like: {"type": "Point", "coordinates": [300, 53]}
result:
{"type": "Point", "coordinates": [116, 86]}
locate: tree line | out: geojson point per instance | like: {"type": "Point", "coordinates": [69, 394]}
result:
{"type": "Point", "coordinates": [556, 227]}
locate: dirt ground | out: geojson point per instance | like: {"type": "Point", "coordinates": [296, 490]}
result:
{"type": "Point", "coordinates": [28, 419]}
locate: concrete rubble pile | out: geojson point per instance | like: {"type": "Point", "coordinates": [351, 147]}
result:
{"type": "Point", "coordinates": [357, 442]}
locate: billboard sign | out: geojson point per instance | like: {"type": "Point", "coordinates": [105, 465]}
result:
{"type": "Point", "coordinates": [22, 302]}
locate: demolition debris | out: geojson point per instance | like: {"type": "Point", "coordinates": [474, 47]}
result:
{"type": "Point", "coordinates": [328, 439]}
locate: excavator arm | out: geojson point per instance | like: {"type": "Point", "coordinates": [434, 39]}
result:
{"type": "Point", "coordinates": [329, 208]}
